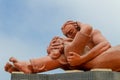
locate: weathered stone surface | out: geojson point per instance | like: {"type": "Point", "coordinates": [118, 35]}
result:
{"type": "Point", "coordinates": [88, 75]}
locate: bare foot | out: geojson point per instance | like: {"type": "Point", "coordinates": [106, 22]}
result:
{"type": "Point", "coordinates": [12, 59]}
{"type": "Point", "coordinates": [22, 66]}
{"type": "Point", "coordinates": [10, 68]}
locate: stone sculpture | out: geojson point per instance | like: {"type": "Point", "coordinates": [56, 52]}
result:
{"type": "Point", "coordinates": [84, 49]}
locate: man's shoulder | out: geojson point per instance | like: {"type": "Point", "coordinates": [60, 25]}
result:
{"type": "Point", "coordinates": [96, 31]}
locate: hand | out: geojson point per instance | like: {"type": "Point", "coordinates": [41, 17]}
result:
{"type": "Point", "coordinates": [55, 48]}
{"type": "Point", "coordinates": [74, 59]}
{"type": "Point", "coordinates": [56, 44]}
{"type": "Point", "coordinates": [50, 47]}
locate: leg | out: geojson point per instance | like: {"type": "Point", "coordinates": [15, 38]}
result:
{"type": "Point", "coordinates": [44, 64]}
{"type": "Point", "coordinates": [23, 66]}
{"type": "Point", "coordinates": [34, 65]}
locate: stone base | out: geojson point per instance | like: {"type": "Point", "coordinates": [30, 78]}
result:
{"type": "Point", "coordinates": [88, 75]}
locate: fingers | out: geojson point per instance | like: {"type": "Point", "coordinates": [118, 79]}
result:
{"type": "Point", "coordinates": [73, 56]}
{"type": "Point", "coordinates": [68, 39]}
{"type": "Point", "coordinates": [12, 59]}
{"type": "Point", "coordinates": [54, 47]}
{"type": "Point", "coordinates": [57, 44]}
{"type": "Point", "coordinates": [58, 47]}
{"type": "Point", "coordinates": [54, 39]}
{"type": "Point", "coordinates": [71, 53]}
{"type": "Point", "coordinates": [70, 56]}
{"type": "Point", "coordinates": [104, 48]}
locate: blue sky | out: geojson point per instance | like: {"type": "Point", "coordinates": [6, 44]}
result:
{"type": "Point", "coordinates": [27, 26]}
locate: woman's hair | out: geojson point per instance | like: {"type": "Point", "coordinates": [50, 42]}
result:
{"type": "Point", "coordinates": [72, 23]}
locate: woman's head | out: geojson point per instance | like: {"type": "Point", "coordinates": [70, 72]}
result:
{"type": "Point", "coordinates": [70, 29]}
{"type": "Point", "coordinates": [56, 44]}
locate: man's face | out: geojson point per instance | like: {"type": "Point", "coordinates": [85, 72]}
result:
{"type": "Point", "coordinates": [69, 31]}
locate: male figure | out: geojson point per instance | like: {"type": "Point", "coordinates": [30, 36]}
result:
{"type": "Point", "coordinates": [100, 55]}
{"type": "Point", "coordinates": [96, 44]}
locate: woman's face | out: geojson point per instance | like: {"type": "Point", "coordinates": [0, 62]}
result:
{"type": "Point", "coordinates": [56, 45]}
{"type": "Point", "coordinates": [69, 31]}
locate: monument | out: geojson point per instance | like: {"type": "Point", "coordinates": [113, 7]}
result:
{"type": "Point", "coordinates": [84, 48]}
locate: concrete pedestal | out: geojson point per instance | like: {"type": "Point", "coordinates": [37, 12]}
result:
{"type": "Point", "coordinates": [88, 75]}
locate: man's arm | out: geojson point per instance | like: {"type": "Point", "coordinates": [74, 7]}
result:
{"type": "Point", "coordinates": [96, 51]}
{"type": "Point", "coordinates": [101, 45]}
{"type": "Point", "coordinates": [80, 40]}
{"type": "Point", "coordinates": [75, 59]}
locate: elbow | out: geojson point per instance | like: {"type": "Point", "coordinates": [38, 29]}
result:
{"type": "Point", "coordinates": [107, 44]}
{"type": "Point", "coordinates": [89, 29]}
{"type": "Point", "coordinates": [86, 29]}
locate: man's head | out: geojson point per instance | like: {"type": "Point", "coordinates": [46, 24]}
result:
{"type": "Point", "coordinates": [70, 29]}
